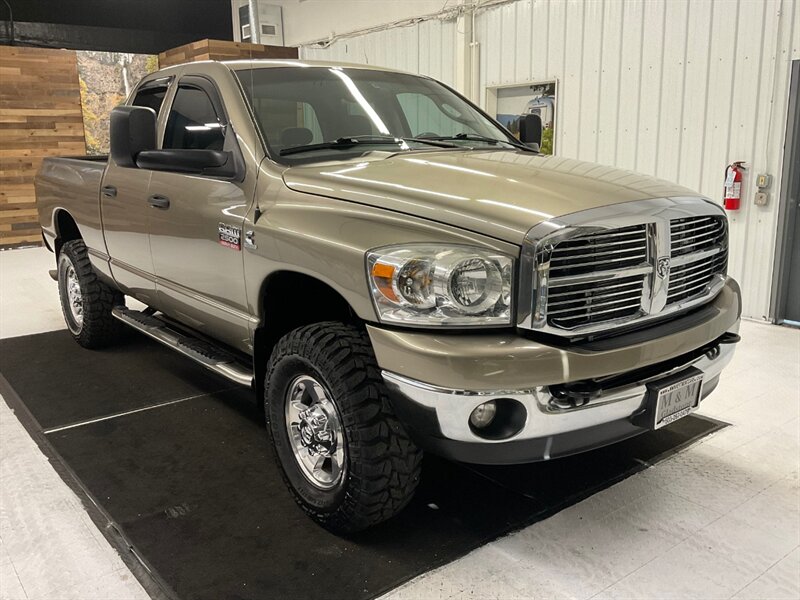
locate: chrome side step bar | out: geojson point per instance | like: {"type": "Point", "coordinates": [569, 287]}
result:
{"type": "Point", "coordinates": [211, 357]}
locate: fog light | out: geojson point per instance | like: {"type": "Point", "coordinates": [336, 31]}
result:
{"type": "Point", "coordinates": [483, 414]}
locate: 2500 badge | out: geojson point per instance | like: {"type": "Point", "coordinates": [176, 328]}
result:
{"type": "Point", "coordinates": [230, 236]}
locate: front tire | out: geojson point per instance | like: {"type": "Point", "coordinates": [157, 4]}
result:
{"type": "Point", "coordinates": [85, 300]}
{"type": "Point", "coordinates": [343, 454]}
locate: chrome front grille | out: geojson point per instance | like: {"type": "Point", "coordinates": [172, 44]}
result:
{"type": "Point", "coordinates": [574, 305]}
{"type": "Point", "coordinates": [691, 239]}
{"type": "Point", "coordinates": [589, 253]}
{"type": "Point", "coordinates": [597, 270]}
{"type": "Point", "coordinates": [692, 278]}
{"type": "Point", "coordinates": [694, 234]}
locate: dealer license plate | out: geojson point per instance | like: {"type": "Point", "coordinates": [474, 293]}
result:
{"type": "Point", "coordinates": [675, 399]}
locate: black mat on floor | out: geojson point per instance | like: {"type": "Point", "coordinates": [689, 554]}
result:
{"type": "Point", "coordinates": [193, 488]}
{"type": "Point", "coordinates": [62, 383]}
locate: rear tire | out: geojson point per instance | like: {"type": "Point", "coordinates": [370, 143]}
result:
{"type": "Point", "coordinates": [326, 405]}
{"type": "Point", "coordinates": [85, 300]}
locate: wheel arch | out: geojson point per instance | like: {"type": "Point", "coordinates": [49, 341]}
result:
{"type": "Point", "coordinates": [288, 300]}
{"type": "Point", "coordinates": [66, 229]}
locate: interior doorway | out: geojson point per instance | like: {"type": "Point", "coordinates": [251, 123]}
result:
{"type": "Point", "coordinates": [786, 288]}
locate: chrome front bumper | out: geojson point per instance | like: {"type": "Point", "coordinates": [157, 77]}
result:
{"type": "Point", "coordinates": [547, 415]}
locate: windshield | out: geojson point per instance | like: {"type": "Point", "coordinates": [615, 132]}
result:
{"type": "Point", "coordinates": [323, 113]}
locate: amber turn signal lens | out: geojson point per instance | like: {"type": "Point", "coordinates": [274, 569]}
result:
{"type": "Point", "coordinates": [382, 276]}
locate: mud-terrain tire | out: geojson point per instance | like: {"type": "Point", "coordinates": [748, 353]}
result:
{"type": "Point", "coordinates": [329, 370]}
{"type": "Point", "coordinates": [85, 300]}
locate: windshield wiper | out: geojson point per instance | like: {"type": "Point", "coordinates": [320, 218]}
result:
{"type": "Point", "coordinates": [354, 140]}
{"type": "Point", "coordinates": [480, 138]}
{"type": "Point", "coordinates": [430, 141]}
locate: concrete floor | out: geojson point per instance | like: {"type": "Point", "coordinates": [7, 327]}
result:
{"type": "Point", "coordinates": [719, 520]}
{"type": "Point", "coordinates": [49, 547]}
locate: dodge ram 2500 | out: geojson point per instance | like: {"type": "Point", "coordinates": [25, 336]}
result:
{"type": "Point", "coordinates": [391, 271]}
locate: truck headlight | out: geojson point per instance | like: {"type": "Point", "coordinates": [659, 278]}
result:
{"type": "Point", "coordinates": [435, 284]}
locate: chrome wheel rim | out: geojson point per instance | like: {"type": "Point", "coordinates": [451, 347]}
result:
{"type": "Point", "coordinates": [74, 295]}
{"type": "Point", "coordinates": [315, 432]}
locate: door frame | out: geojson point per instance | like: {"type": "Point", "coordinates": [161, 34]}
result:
{"type": "Point", "coordinates": [787, 213]}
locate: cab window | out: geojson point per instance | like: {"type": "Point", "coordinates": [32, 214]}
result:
{"type": "Point", "coordinates": [193, 123]}
{"type": "Point", "coordinates": [151, 97]}
{"type": "Point", "coordinates": [424, 116]}
{"type": "Point", "coordinates": [288, 122]}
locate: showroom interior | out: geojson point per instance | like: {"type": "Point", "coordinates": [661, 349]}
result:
{"type": "Point", "coordinates": [410, 299]}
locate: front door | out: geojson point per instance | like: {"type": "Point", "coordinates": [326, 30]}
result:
{"type": "Point", "coordinates": [126, 212]}
{"type": "Point", "coordinates": [196, 234]}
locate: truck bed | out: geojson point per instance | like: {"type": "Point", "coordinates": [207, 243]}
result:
{"type": "Point", "coordinates": [71, 183]}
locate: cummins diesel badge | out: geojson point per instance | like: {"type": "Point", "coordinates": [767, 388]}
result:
{"type": "Point", "coordinates": [230, 236]}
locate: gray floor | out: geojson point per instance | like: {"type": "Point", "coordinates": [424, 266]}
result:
{"type": "Point", "coordinates": [719, 520]}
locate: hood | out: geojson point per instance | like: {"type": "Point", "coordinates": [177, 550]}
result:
{"type": "Point", "coordinates": [497, 193]}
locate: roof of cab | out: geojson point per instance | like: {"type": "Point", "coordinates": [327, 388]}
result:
{"type": "Point", "coordinates": [262, 63]}
{"type": "Point", "coordinates": [265, 63]}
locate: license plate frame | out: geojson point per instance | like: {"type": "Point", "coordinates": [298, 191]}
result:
{"type": "Point", "coordinates": [674, 397]}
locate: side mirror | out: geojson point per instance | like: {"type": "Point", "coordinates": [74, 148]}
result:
{"type": "Point", "coordinates": [530, 130]}
{"type": "Point", "coordinates": [133, 130]}
{"type": "Point", "coordinates": [207, 162]}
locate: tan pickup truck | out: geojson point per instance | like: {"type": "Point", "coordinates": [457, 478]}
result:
{"type": "Point", "coordinates": [391, 271]}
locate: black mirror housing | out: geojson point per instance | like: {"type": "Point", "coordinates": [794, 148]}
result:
{"type": "Point", "coordinates": [180, 160]}
{"type": "Point", "coordinates": [530, 130]}
{"type": "Point", "coordinates": [133, 130]}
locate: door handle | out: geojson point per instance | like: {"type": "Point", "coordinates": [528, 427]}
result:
{"type": "Point", "coordinates": [109, 191]}
{"type": "Point", "coordinates": [157, 201]}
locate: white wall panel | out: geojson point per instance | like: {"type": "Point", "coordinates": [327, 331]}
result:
{"type": "Point", "coordinates": [650, 92]}
{"type": "Point", "coordinates": [610, 79]}
{"type": "Point", "coordinates": [743, 119]}
{"type": "Point", "coordinates": [306, 21]}
{"type": "Point", "coordinates": [695, 105]}
{"type": "Point", "coordinates": [671, 99]}
{"type": "Point", "coordinates": [539, 48]}
{"type": "Point", "coordinates": [554, 30]}
{"type": "Point", "coordinates": [427, 47]}
{"type": "Point", "coordinates": [631, 30]}
{"type": "Point", "coordinates": [570, 95]}
{"type": "Point", "coordinates": [673, 88]}
{"type": "Point", "coordinates": [591, 65]}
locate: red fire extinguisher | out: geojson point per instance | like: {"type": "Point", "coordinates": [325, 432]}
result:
{"type": "Point", "coordinates": [733, 185]}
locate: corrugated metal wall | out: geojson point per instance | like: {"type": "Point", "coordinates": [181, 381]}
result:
{"type": "Point", "coordinates": [427, 47]}
{"type": "Point", "coordinates": [673, 88]}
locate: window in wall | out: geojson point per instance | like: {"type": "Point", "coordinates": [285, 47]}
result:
{"type": "Point", "coordinates": [193, 123]}
{"type": "Point", "coordinates": [514, 102]}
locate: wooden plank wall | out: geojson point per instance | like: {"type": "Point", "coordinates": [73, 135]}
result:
{"type": "Point", "coordinates": [40, 115]}
{"type": "Point", "coordinates": [221, 50]}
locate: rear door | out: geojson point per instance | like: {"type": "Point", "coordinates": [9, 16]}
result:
{"type": "Point", "coordinates": [197, 239]}
{"type": "Point", "coordinates": [123, 202]}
